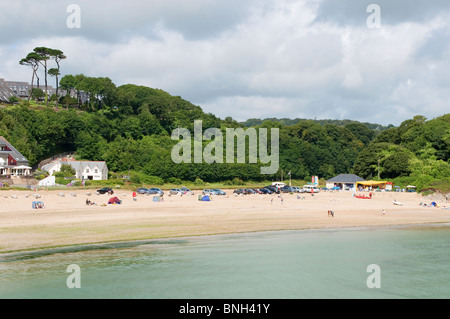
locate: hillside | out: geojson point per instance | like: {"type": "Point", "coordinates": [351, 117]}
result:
{"type": "Point", "coordinates": [130, 127]}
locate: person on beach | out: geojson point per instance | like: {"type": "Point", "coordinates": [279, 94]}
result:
{"type": "Point", "coordinates": [383, 212]}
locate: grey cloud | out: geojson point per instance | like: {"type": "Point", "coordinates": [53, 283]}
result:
{"type": "Point", "coordinates": [436, 46]}
{"type": "Point", "coordinates": [250, 59]}
{"type": "Point", "coordinates": [112, 21]}
{"type": "Point", "coordinates": [354, 12]}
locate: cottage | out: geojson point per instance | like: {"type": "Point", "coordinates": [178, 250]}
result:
{"type": "Point", "coordinates": [344, 181]}
{"type": "Point", "coordinates": [12, 162]}
{"type": "Point", "coordinates": [87, 170]}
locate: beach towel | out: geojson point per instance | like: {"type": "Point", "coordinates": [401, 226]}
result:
{"type": "Point", "coordinates": [36, 205]}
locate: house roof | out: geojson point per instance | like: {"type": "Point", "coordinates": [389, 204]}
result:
{"type": "Point", "coordinates": [5, 91]}
{"type": "Point", "coordinates": [18, 157]}
{"type": "Point", "coordinates": [81, 165]}
{"type": "Point", "coordinates": [346, 178]}
{"type": "Point", "coordinates": [78, 165]}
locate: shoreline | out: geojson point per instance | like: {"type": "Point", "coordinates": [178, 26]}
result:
{"type": "Point", "coordinates": [68, 222]}
{"type": "Point", "coordinates": [45, 251]}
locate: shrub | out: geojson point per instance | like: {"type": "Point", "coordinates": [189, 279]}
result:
{"type": "Point", "coordinates": [237, 181]}
{"type": "Point", "coordinates": [174, 180]}
{"type": "Point", "coordinates": [142, 178]}
{"type": "Point", "coordinates": [198, 181]}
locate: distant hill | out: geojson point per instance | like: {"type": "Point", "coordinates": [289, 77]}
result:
{"type": "Point", "coordinates": [287, 122]}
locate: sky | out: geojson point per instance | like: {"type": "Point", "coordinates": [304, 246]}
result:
{"type": "Point", "coordinates": [323, 59]}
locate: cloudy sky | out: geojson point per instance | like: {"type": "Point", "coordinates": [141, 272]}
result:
{"type": "Point", "coordinates": [319, 59]}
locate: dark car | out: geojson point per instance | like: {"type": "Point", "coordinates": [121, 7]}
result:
{"type": "Point", "coordinates": [273, 189]}
{"type": "Point", "coordinates": [105, 190]}
{"type": "Point", "coordinates": [265, 191]}
{"type": "Point", "coordinates": [257, 191]}
{"type": "Point", "coordinates": [249, 191]}
{"type": "Point", "coordinates": [239, 191]}
{"type": "Point", "coordinates": [287, 189]}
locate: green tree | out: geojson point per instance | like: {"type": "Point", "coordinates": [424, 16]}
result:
{"type": "Point", "coordinates": [57, 56]}
{"type": "Point", "coordinates": [13, 99]}
{"type": "Point", "coordinates": [32, 60]}
{"type": "Point", "coordinates": [44, 55]}
{"type": "Point", "coordinates": [55, 72]}
{"type": "Point", "coordinates": [37, 94]}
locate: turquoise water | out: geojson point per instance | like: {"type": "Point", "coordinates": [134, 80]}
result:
{"type": "Point", "coordinates": [413, 263]}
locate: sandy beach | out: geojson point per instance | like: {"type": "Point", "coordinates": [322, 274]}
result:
{"type": "Point", "coordinates": [67, 220]}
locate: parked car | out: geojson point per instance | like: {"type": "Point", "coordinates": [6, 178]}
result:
{"type": "Point", "coordinates": [257, 191]}
{"type": "Point", "coordinates": [208, 192]}
{"type": "Point", "coordinates": [105, 190]}
{"type": "Point", "coordinates": [311, 189]}
{"type": "Point", "coordinates": [265, 191]}
{"type": "Point", "coordinates": [219, 191]}
{"type": "Point", "coordinates": [249, 191]}
{"type": "Point", "coordinates": [186, 191]}
{"type": "Point", "coordinates": [273, 189]}
{"type": "Point", "coordinates": [155, 190]}
{"type": "Point", "coordinates": [239, 191]}
{"type": "Point", "coordinates": [142, 190]}
{"type": "Point", "coordinates": [175, 191]}
{"type": "Point", "coordinates": [286, 189]}
{"type": "Point", "coordinates": [297, 189]}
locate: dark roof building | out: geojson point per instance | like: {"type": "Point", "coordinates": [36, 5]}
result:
{"type": "Point", "coordinates": [344, 181]}
{"type": "Point", "coordinates": [19, 89]}
{"type": "Point", "coordinates": [5, 91]}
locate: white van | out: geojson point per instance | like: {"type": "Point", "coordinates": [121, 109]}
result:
{"type": "Point", "coordinates": [278, 184]}
{"type": "Point", "coordinates": [310, 189]}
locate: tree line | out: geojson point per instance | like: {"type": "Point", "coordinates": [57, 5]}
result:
{"type": "Point", "coordinates": [129, 127]}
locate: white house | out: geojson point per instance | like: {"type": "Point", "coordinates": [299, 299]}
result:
{"type": "Point", "coordinates": [88, 170]}
{"type": "Point", "coordinates": [48, 181]}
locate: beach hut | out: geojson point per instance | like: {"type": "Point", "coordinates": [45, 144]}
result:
{"type": "Point", "coordinates": [344, 181]}
{"type": "Point", "coordinates": [114, 200]}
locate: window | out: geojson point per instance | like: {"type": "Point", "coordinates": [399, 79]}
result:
{"type": "Point", "coordinates": [96, 171]}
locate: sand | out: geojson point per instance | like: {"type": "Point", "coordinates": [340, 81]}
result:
{"type": "Point", "coordinates": [67, 220]}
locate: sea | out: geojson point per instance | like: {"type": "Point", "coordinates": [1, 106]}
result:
{"type": "Point", "coordinates": [400, 262]}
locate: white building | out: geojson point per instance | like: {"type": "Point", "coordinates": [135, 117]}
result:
{"type": "Point", "coordinates": [48, 181]}
{"type": "Point", "coordinates": [87, 170]}
{"type": "Point", "coordinates": [12, 162]}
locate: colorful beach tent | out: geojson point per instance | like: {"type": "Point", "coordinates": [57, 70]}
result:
{"type": "Point", "coordinates": [206, 198]}
{"type": "Point", "coordinates": [114, 200]}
